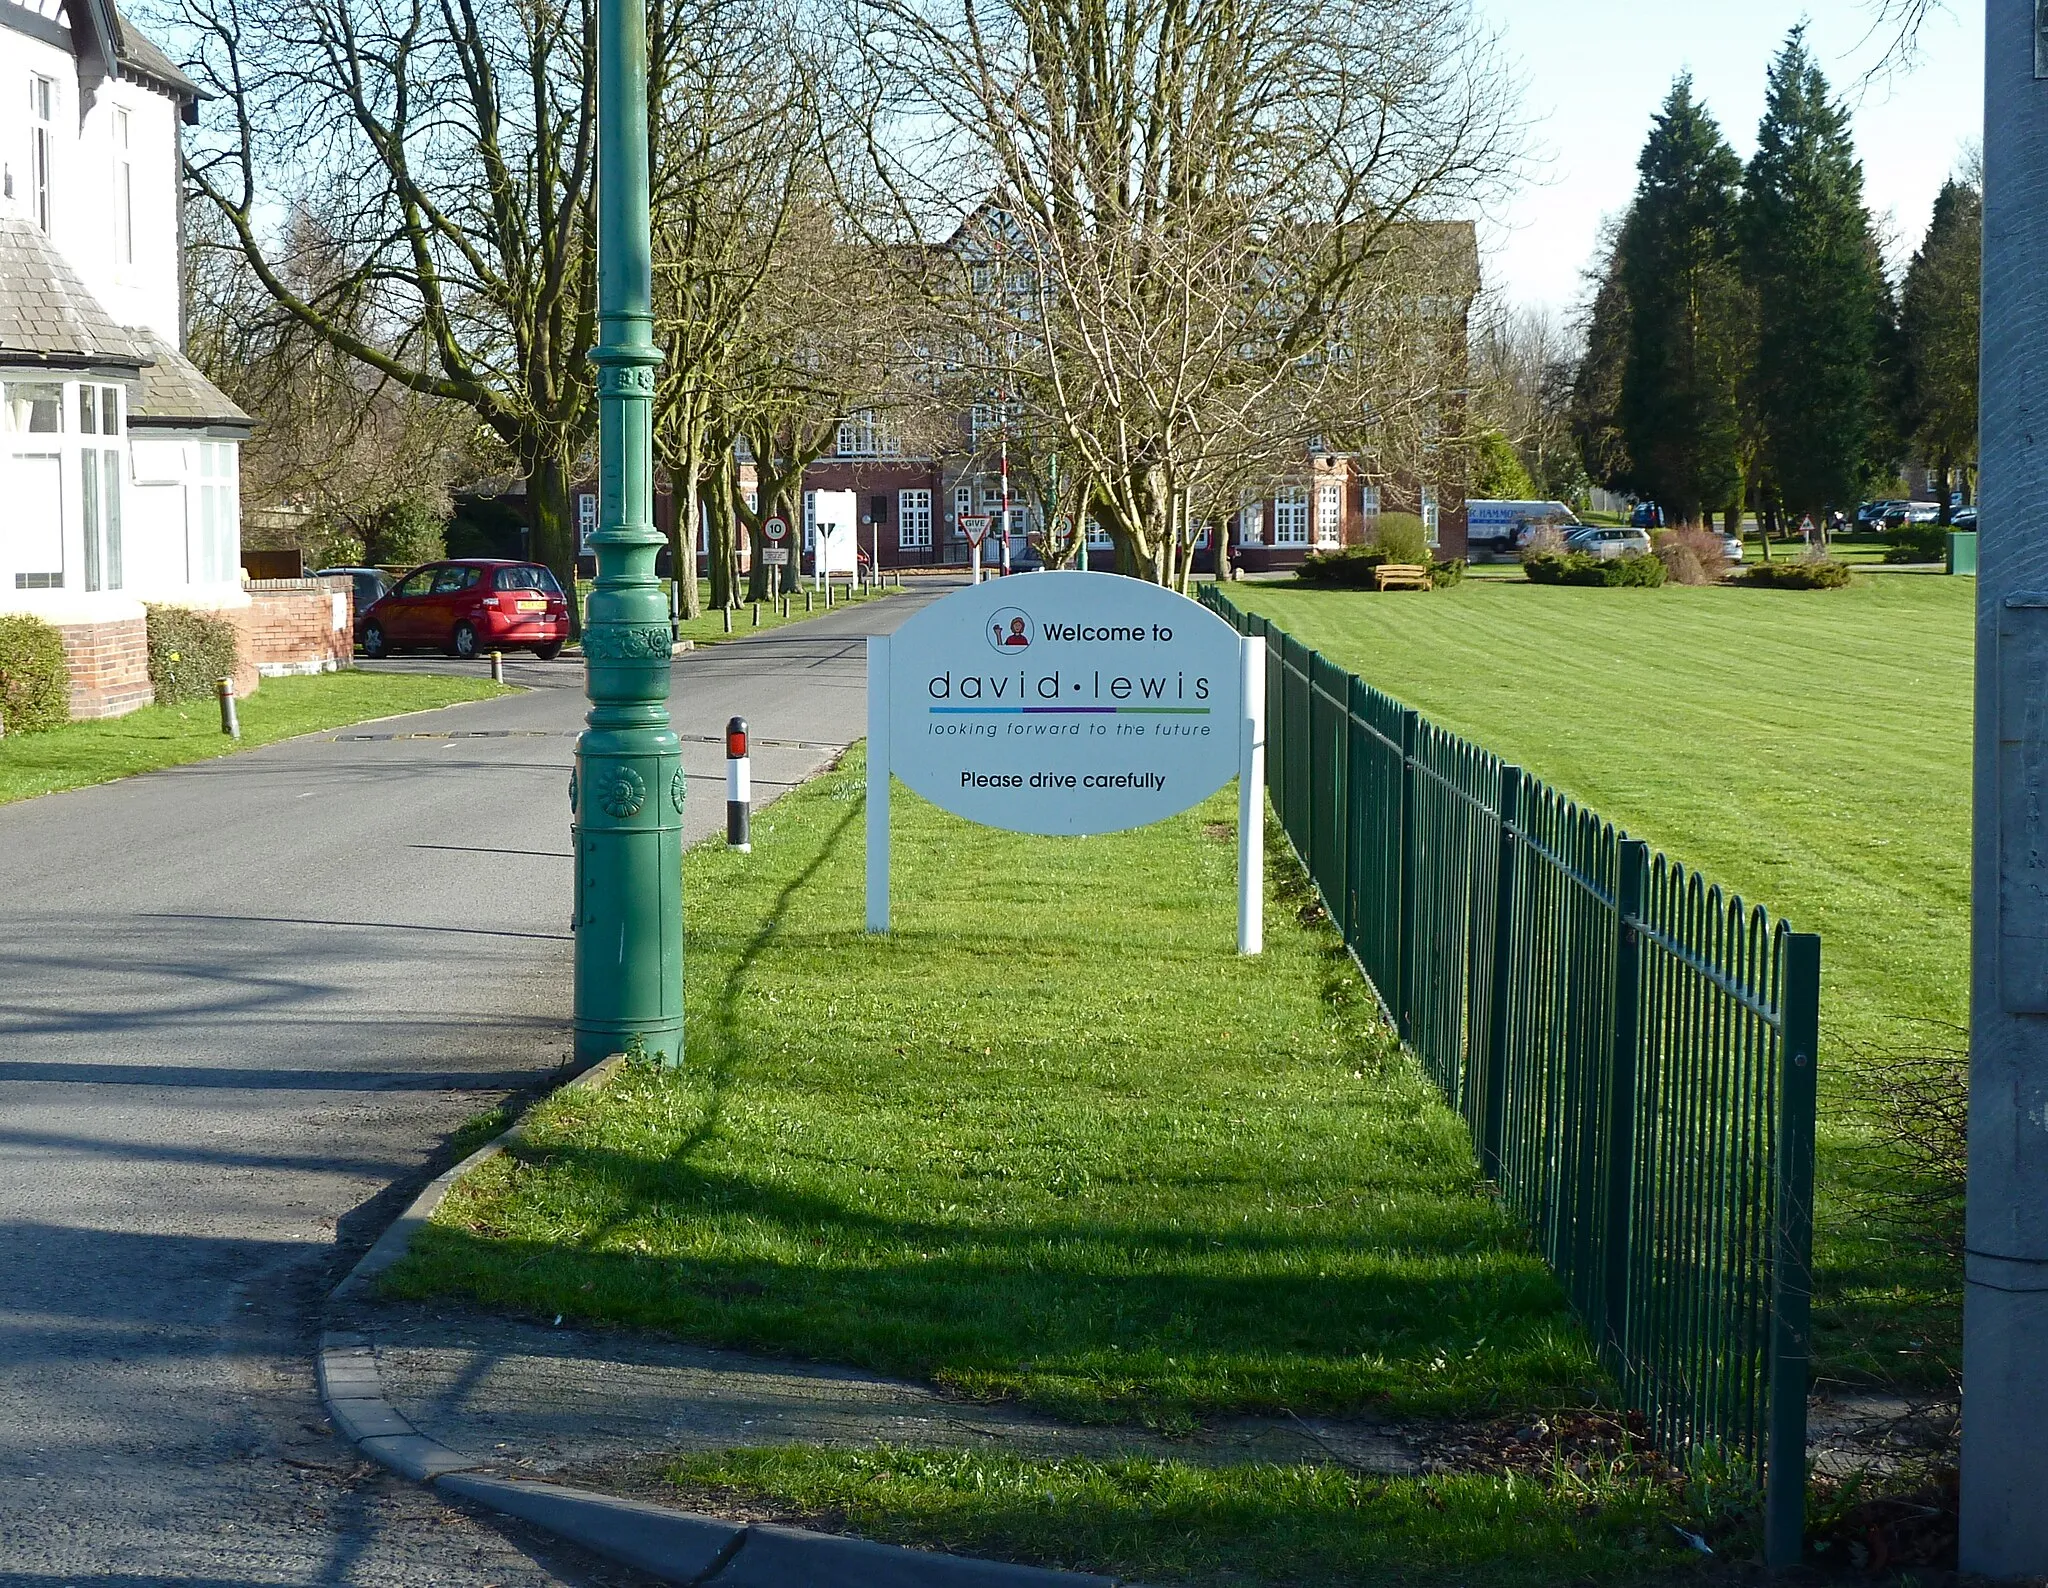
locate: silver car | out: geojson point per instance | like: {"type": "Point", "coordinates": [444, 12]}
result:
{"type": "Point", "coordinates": [1607, 543]}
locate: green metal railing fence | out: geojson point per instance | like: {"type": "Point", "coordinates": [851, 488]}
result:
{"type": "Point", "coordinates": [1633, 1050]}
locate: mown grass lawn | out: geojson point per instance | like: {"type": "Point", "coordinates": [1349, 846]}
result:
{"type": "Point", "coordinates": [1053, 1141]}
{"type": "Point", "coordinates": [80, 753]}
{"type": "Point", "coordinates": [1810, 750]}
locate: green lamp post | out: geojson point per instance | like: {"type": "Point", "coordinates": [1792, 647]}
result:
{"type": "Point", "coordinates": [626, 793]}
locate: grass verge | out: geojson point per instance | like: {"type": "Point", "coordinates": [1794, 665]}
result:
{"type": "Point", "coordinates": [1810, 751]}
{"type": "Point", "coordinates": [1050, 1140]}
{"type": "Point", "coordinates": [1173, 1521]}
{"type": "Point", "coordinates": [155, 737]}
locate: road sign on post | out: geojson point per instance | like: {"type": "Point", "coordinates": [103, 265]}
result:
{"type": "Point", "coordinates": [1091, 705]}
{"type": "Point", "coordinates": [975, 528]}
{"type": "Point", "coordinates": [626, 794]}
{"type": "Point", "coordinates": [775, 529]}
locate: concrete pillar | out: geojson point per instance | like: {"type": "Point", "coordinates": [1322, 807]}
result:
{"type": "Point", "coordinates": [2005, 1314]}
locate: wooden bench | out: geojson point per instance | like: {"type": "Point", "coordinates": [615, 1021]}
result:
{"type": "Point", "coordinates": [1402, 576]}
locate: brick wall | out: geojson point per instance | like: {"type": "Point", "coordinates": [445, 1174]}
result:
{"type": "Point", "coordinates": [297, 626]}
{"type": "Point", "coordinates": [109, 667]}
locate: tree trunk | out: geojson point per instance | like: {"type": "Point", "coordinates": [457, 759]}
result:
{"type": "Point", "coordinates": [1944, 491]}
{"type": "Point", "coordinates": [722, 554]}
{"type": "Point", "coordinates": [554, 529]}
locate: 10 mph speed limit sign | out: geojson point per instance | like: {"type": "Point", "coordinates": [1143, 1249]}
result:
{"type": "Point", "coordinates": [775, 529]}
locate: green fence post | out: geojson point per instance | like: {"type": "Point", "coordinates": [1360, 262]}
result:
{"type": "Point", "coordinates": [1404, 947]}
{"type": "Point", "coordinates": [1493, 1115]}
{"type": "Point", "coordinates": [1631, 883]}
{"type": "Point", "coordinates": [1792, 1257]}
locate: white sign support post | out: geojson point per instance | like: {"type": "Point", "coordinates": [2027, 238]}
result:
{"type": "Point", "coordinates": [1251, 803]}
{"type": "Point", "coordinates": [1093, 704]}
{"type": "Point", "coordinates": [878, 782]}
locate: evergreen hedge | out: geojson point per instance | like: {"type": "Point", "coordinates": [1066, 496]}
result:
{"type": "Point", "coordinates": [189, 653]}
{"type": "Point", "coordinates": [1582, 568]}
{"type": "Point", "coordinates": [35, 685]}
{"type": "Point", "coordinates": [1819, 573]}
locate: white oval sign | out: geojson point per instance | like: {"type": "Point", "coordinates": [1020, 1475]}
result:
{"type": "Point", "coordinates": [1065, 703]}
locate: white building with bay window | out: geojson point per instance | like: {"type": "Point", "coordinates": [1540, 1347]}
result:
{"type": "Point", "coordinates": [118, 459]}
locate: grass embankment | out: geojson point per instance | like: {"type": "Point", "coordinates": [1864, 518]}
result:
{"type": "Point", "coordinates": [1809, 750]}
{"type": "Point", "coordinates": [1052, 1141]}
{"type": "Point", "coordinates": [159, 736]}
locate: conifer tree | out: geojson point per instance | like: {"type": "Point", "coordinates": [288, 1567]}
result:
{"type": "Point", "coordinates": [1679, 261]}
{"type": "Point", "coordinates": [1938, 323]}
{"type": "Point", "coordinates": [1594, 411]}
{"type": "Point", "coordinates": [1818, 292]}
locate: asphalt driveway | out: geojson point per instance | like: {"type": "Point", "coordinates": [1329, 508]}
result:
{"type": "Point", "coordinates": [242, 1003]}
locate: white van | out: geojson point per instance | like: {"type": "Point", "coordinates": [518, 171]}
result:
{"type": "Point", "coordinates": [1499, 528]}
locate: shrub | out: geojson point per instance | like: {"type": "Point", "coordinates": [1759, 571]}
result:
{"type": "Point", "coordinates": [1349, 566]}
{"type": "Point", "coordinates": [1691, 555]}
{"type": "Point", "coordinates": [1814, 573]}
{"type": "Point", "coordinates": [1582, 568]}
{"type": "Point", "coordinates": [35, 685]}
{"type": "Point", "coordinates": [1445, 574]}
{"type": "Point", "coordinates": [189, 653]}
{"type": "Point", "coordinates": [1543, 540]}
{"type": "Point", "coordinates": [1916, 543]}
{"type": "Point", "coordinates": [1401, 537]}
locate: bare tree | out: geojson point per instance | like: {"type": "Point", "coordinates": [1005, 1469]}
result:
{"type": "Point", "coordinates": [1178, 212]}
{"type": "Point", "coordinates": [442, 154]}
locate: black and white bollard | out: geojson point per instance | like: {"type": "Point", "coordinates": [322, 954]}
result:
{"type": "Point", "coordinates": [229, 723]}
{"type": "Point", "coordinates": [739, 787]}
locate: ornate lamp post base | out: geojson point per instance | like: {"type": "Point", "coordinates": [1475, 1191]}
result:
{"type": "Point", "coordinates": [627, 790]}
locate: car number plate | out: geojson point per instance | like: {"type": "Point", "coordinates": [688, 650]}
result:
{"type": "Point", "coordinates": [533, 606]}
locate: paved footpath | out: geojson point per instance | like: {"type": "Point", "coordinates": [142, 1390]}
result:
{"type": "Point", "coordinates": [241, 1005]}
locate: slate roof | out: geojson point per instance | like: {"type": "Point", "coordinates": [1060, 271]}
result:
{"type": "Point", "coordinates": [173, 392]}
{"type": "Point", "coordinates": [46, 314]}
{"type": "Point", "coordinates": [140, 57]}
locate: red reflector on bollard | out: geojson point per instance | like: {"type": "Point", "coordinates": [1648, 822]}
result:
{"type": "Point", "coordinates": [736, 739]}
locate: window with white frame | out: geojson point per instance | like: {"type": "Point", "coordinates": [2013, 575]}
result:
{"type": "Point", "coordinates": [586, 520]}
{"type": "Point", "coordinates": [124, 191]}
{"type": "Point", "coordinates": [1369, 505]}
{"type": "Point", "coordinates": [1290, 516]}
{"type": "Point", "coordinates": [42, 148]}
{"type": "Point", "coordinates": [1430, 512]}
{"type": "Point", "coordinates": [219, 551]}
{"type": "Point", "coordinates": [913, 519]}
{"type": "Point", "coordinates": [31, 432]}
{"type": "Point", "coordinates": [862, 435]}
{"type": "Point", "coordinates": [1251, 521]}
{"type": "Point", "coordinates": [1099, 539]}
{"type": "Point", "coordinates": [99, 479]}
{"type": "Point", "coordinates": [963, 506]}
{"type": "Point", "coordinates": [810, 520]}
{"type": "Point", "coordinates": [987, 421]}
{"type": "Point", "coordinates": [1329, 513]}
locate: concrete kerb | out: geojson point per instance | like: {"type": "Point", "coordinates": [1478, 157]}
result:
{"type": "Point", "coordinates": [675, 1546]}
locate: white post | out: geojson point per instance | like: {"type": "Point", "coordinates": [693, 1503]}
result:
{"type": "Point", "coordinates": [878, 783]}
{"type": "Point", "coordinates": [975, 547]}
{"type": "Point", "coordinates": [1251, 799]}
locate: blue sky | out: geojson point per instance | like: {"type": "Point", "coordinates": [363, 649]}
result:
{"type": "Point", "coordinates": [1596, 70]}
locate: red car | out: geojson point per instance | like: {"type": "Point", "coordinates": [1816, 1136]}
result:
{"type": "Point", "coordinates": [468, 607]}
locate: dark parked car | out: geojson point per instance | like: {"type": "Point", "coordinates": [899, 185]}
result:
{"type": "Point", "coordinates": [468, 607]}
{"type": "Point", "coordinates": [1963, 518]}
{"type": "Point", "coordinates": [370, 587]}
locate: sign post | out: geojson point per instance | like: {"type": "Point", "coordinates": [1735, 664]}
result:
{"type": "Point", "coordinates": [776, 554]}
{"type": "Point", "coordinates": [976, 530]}
{"type": "Point", "coordinates": [1093, 704]}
